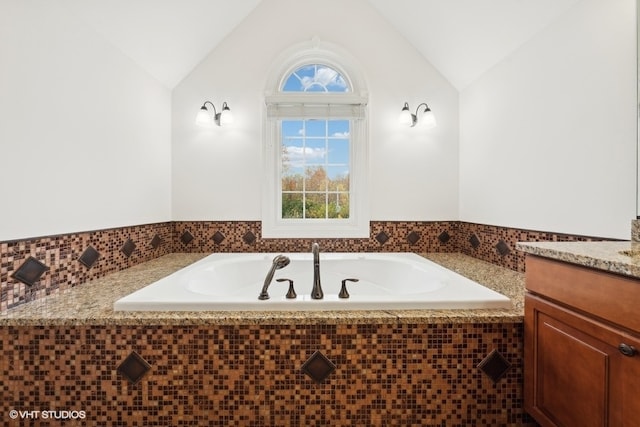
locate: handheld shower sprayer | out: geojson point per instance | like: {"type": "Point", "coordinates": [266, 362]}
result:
{"type": "Point", "coordinates": [279, 262]}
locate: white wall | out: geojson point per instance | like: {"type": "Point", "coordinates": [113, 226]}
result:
{"type": "Point", "coordinates": [84, 132]}
{"type": "Point", "coordinates": [218, 173]}
{"type": "Point", "coordinates": [548, 136]}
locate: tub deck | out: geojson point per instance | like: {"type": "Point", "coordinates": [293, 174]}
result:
{"type": "Point", "coordinates": [92, 303]}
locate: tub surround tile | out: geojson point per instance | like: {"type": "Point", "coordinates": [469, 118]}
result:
{"type": "Point", "coordinates": [249, 238]}
{"type": "Point", "coordinates": [318, 367]}
{"type": "Point", "coordinates": [71, 262]}
{"type": "Point", "coordinates": [474, 241]}
{"type": "Point", "coordinates": [156, 241]}
{"type": "Point", "coordinates": [128, 247]}
{"type": "Point", "coordinates": [61, 253]}
{"type": "Point", "coordinates": [444, 237]}
{"type": "Point", "coordinates": [218, 238]}
{"type": "Point", "coordinates": [89, 257]}
{"type": "Point", "coordinates": [133, 368]}
{"type": "Point", "coordinates": [186, 237]}
{"type": "Point", "coordinates": [30, 271]}
{"type": "Point", "coordinates": [502, 248]}
{"type": "Point", "coordinates": [495, 366]}
{"type": "Point", "coordinates": [382, 237]}
{"type": "Point", "coordinates": [413, 237]}
{"type": "Point", "coordinates": [233, 375]}
{"type": "Point", "coordinates": [481, 241]}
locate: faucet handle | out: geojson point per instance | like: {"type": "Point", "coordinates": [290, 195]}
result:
{"type": "Point", "coordinates": [343, 290]}
{"type": "Point", "coordinates": [291, 293]}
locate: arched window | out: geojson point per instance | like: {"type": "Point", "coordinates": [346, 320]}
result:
{"type": "Point", "coordinates": [315, 150]}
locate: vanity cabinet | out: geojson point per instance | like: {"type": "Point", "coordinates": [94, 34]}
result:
{"type": "Point", "coordinates": [582, 336]}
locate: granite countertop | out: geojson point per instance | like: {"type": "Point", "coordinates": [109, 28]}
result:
{"type": "Point", "coordinates": [614, 257]}
{"type": "Point", "coordinates": [92, 302]}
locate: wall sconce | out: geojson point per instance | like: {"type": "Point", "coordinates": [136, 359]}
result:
{"type": "Point", "coordinates": [409, 119]}
{"type": "Point", "coordinates": [206, 118]}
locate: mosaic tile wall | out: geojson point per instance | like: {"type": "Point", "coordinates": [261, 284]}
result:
{"type": "Point", "coordinates": [251, 375]}
{"type": "Point", "coordinates": [72, 259]}
{"type": "Point", "coordinates": [245, 236]}
{"type": "Point", "coordinates": [58, 262]}
{"type": "Point", "coordinates": [497, 245]}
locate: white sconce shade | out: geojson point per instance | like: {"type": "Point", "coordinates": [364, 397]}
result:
{"type": "Point", "coordinates": [405, 117]}
{"type": "Point", "coordinates": [428, 120]}
{"type": "Point", "coordinates": [226, 116]}
{"type": "Point", "coordinates": [206, 118]}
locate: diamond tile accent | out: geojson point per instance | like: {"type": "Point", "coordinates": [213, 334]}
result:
{"type": "Point", "coordinates": [382, 237]}
{"type": "Point", "coordinates": [186, 237]}
{"type": "Point", "coordinates": [89, 257]}
{"type": "Point", "coordinates": [156, 241]}
{"type": "Point", "coordinates": [413, 237]}
{"type": "Point", "coordinates": [134, 367]}
{"type": "Point", "coordinates": [444, 237]}
{"type": "Point", "coordinates": [128, 248]}
{"type": "Point", "coordinates": [494, 365]}
{"type": "Point", "coordinates": [475, 242]}
{"type": "Point", "coordinates": [218, 237]}
{"type": "Point", "coordinates": [318, 367]}
{"type": "Point", "coordinates": [503, 248]}
{"type": "Point", "coordinates": [249, 238]}
{"type": "Point", "coordinates": [30, 271]}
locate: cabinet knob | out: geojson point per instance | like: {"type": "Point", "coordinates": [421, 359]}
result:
{"type": "Point", "coordinates": [627, 350]}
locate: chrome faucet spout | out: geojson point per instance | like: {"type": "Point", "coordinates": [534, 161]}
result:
{"type": "Point", "coordinates": [316, 292]}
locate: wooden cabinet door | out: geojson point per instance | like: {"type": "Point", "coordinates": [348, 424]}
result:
{"type": "Point", "coordinates": [625, 385]}
{"type": "Point", "coordinates": [567, 373]}
{"type": "Point", "coordinates": [575, 374]}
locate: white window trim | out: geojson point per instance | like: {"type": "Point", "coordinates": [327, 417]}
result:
{"type": "Point", "coordinates": [357, 225]}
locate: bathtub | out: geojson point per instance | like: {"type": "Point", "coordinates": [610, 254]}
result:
{"type": "Point", "coordinates": [233, 281]}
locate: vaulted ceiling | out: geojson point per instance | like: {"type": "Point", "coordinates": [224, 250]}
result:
{"type": "Point", "coordinates": [461, 38]}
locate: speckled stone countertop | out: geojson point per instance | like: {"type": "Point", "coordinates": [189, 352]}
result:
{"type": "Point", "coordinates": [92, 303]}
{"type": "Point", "coordinates": [615, 257]}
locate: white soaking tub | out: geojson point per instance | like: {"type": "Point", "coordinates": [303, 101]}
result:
{"type": "Point", "coordinates": [233, 281]}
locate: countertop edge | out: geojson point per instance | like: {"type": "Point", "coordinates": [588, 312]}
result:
{"type": "Point", "coordinates": [91, 304]}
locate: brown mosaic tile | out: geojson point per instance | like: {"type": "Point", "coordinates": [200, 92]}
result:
{"type": "Point", "coordinates": [491, 249]}
{"type": "Point", "coordinates": [220, 375]}
{"type": "Point", "coordinates": [61, 253]}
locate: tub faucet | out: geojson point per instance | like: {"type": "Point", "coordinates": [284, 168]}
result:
{"type": "Point", "coordinates": [316, 292]}
{"type": "Point", "coordinates": [279, 262]}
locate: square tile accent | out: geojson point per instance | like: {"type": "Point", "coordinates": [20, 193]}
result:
{"type": "Point", "coordinates": [156, 241]}
{"type": "Point", "coordinates": [413, 237]}
{"type": "Point", "coordinates": [475, 242]}
{"type": "Point", "coordinates": [218, 237]}
{"type": "Point", "coordinates": [186, 237]}
{"type": "Point", "coordinates": [494, 366]}
{"type": "Point", "coordinates": [89, 257]}
{"type": "Point", "coordinates": [249, 238]}
{"type": "Point", "coordinates": [318, 367]}
{"type": "Point", "coordinates": [128, 248]}
{"type": "Point", "coordinates": [134, 367]}
{"type": "Point", "coordinates": [444, 237]}
{"type": "Point", "coordinates": [30, 271]}
{"type": "Point", "coordinates": [382, 237]}
{"type": "Point", "coordinates": [503, 248]}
